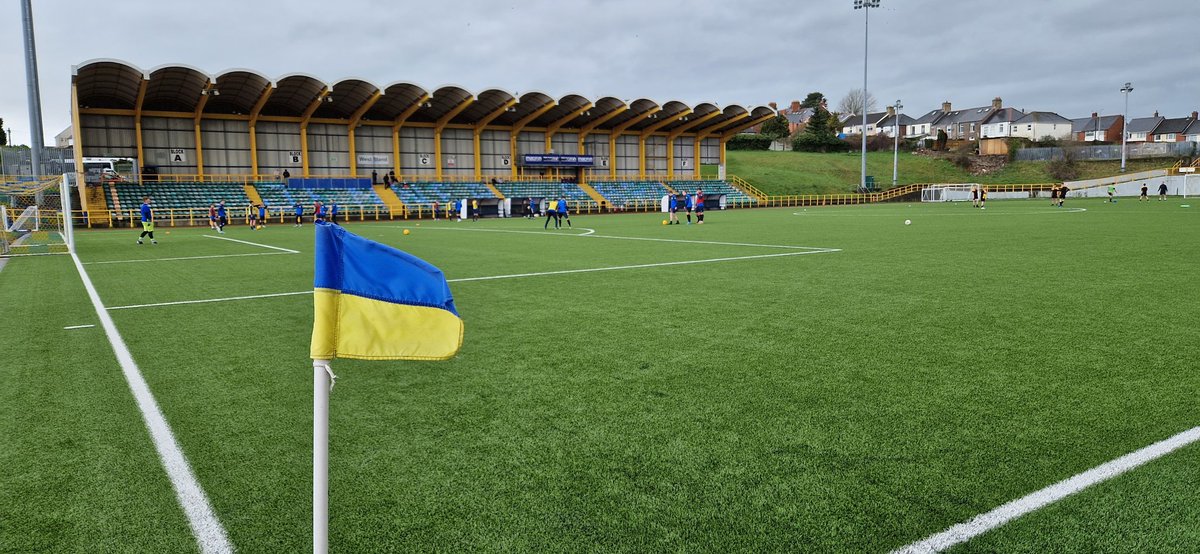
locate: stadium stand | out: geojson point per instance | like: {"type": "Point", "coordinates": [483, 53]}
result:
{"type": "Point", "coordinates": [620, 193]}
{"type": "Point", "coordinates": [713, 187]}
{"type": "Point", "coordinates": [179, 195]}
{"type": "Point", "coordinates": [276, 195]}
{"type": "Point", "coordinates": [427, 192]}
{"type": "Point", "coordinates": [543, 189]}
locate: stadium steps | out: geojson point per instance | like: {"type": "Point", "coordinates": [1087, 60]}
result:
{"type": "Point", "coordinates": [750, 190]}
{"type": "Point", "coordinates": [96, 205]}
{"type": "Point", "coordinates": [495, 190]}
{"type": "Point", "coordinates": [669, 188]}
{"type": "Point", "coordinates": [599, 198]}
{"type": "Point", "coordinates": [389, 198]}
{"type": "Point", "coordinates": [116, 199]}
{"type": "Point", "coordinates": [252, 194]}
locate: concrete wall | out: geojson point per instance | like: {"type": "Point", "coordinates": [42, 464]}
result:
{"type": "Point", "coordinates": [226, 146]}
{"type": "Point", "coordinates": [328, 149]}
{"type": "Point", "coordinates": [170, 144]}
{"type": "Point", "coordinates": [276, 143]}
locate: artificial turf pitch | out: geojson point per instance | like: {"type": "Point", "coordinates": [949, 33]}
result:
{"type": "Point", "coordinates": [853, 400]}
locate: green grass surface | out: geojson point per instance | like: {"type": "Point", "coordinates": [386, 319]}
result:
{"type": "Point", "coordinates": [844, 401]}
{"type": "Point", "coordinates": [814, 173]}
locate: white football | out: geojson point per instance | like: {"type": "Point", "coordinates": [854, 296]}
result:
{"type": "Point", "coordinates": [908, 222]}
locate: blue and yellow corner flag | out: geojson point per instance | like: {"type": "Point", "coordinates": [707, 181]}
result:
{"type": "Point", "coordinates": [374, 302]}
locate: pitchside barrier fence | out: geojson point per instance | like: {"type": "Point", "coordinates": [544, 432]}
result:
{"type": "Point", "coordinates": [188, 217]}
{"type": "Point", "coordinates": [1111, 151]}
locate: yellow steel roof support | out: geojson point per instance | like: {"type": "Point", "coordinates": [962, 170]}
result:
{"type": "Point", "coordinates": [77, 132]}
{"type": "Point", "coordinates": [553, 128]}
{"type": "Point", "coordinates": [478, 131]}
{"type": "Point", "coordinates": [616, 131]}
{"type": "Point", "coordinates": [208, 87]}
{"type": "Point", "coordinates": [587, 129]}
{"type": "Point", "coordinates": [673, 135]}
{"type": "Point", "coordinates": [304, 118]}
{"type": "Point", "coordinates": [354, 119]}
{"type": "Point", "coordinates": [137, 124]}
{"type": "Point", "coordinates": [437, 133]}
{"type": "Point", "coordinates": [651, 129]}
{"type": "Point", "coordinates": [257, 109]}
{"type": "Point", "coordinates": [516, 132]}
{"type": "Point", "coordinates": [399, 122]}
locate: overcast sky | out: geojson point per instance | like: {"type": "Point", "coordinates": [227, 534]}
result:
{"type": "Point", "coordinates": [1067, 56]}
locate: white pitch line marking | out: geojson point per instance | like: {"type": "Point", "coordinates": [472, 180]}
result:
{"type": "Point", "coordinates": [591, 235]}
{"type": "Point", "coordinates": [931, 214]}
{"type": "Point", "coordinates": [188, 258]}
{"type": "Point", "coordinates": [209, 300]}
{"type": "Point", "coordinates": [986, 522]}
{"type": "Point", "coordinates": [77, 327]}
{"type": "Point", "coordinates": [288, 250]}
{"type": "Point", "coordinates": [210, 534]}
{"type": "Point", "coordinates": [494, 277]}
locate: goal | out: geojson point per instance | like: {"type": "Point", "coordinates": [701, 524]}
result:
{"type": "Point", "coordinates": [32, 216]}
{"type": "Point", "coordinates": [946, 193]}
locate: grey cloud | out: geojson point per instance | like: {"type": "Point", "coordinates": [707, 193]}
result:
{"type": "Point", "coordinates": [1066, 56]}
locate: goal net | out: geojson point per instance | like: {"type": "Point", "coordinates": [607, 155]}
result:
{"type": "Point", "coordinates": [32, 220]}
{"type": "Point", "coordinates": [946, 193]}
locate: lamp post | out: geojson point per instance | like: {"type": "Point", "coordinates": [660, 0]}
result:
{"type": "Point", "coordinates": [865, 6]}
{"type": "Point", "coordinates": [896, 149]}
{"type": "Point", "coordinates": [32, 90]}
{"type": "Point", "coordinates": [1128, 88]}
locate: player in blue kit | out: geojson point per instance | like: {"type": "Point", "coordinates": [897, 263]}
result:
{"type": "Point", "coordinates": [147, 222]}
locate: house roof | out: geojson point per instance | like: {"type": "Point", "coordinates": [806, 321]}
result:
{"type": "Point", "coordinates": [1144, 124]}
{"type": "Point", "coordinates": [1004, 115]}
{"type": "Point", "coordinates": [1043, 117]}
{"type": "Point", "coordinates": [887, 121]}
{"type": "Point", "coordinates": [1085, 124]}
{"type": "Point", "coordinates": [856, 119]}
{"type": "Point", "coordinates": [969, 115]}
{"type": "Point", "coordinates": [930, 117]}
{"type": "Point", "coordinates": [1194, 128]}
{"type": "Point", "coordinates": [799, 116]}
{"type": "Point", "coordinates": [1173, 125]}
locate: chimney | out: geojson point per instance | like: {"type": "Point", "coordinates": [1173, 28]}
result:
{"type": "Point", "coordinates": [1155, 113]}
{"type": "Point", "coordinates": [997, 103]}
{"type": "Point", "coordinates": [946, 107]}
{"type": "Point", "coordinates": [1195, 114]}
{"type": "Point", "coordinates": [774, 106]}
{"type": "Point", "coordinates": [1095, 115]}
{"type": "Point", "coordinates": [795, 106]}
{"type": "Point", "coordinates": [891, 111]}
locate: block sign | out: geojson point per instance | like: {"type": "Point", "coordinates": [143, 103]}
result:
{"type": "Point", "coordinates": [424, 159]}
{"type": "Point", "coordinates": [178, 156]}
{"type": "Point", "coordinates": [374, 160]}
{"type": "Point", "coordinates": [505, 161]}
{"type": "Point", "coordinates": [294, 157]}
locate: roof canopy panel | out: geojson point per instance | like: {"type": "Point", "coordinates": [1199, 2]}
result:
{"type": "Point", "coordinates": [115, 84]}
{"type": "Point", "coordinates": [175, 88]}
{"type": "Point", "coordinates": [107, 84]}
{"type": "Point", "coordinates": [293, 94]}
{"type": "Point", "coordinates": [444, 99]}
{"type": "Point", "coordinates": [346, 97]}
{"type": "Point", "coordinates": [397, 97]}
{"type": "Point", "coordinates": [486, 103]}
{"type": "Point", "coordinates": [563, 108]}
{"type": "Point", "coordinates": [236, 92]}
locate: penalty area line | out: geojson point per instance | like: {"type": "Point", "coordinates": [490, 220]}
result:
{"type": "Point", "coordinates": [494, 277]}
{"type": "Point", "coordinates": [214, 256]}
{"type": "Point", "coordinates": [983, 523]}
{"type": "Point", "coordinates": [209, 533]}
{"type": "Point", "coordinates": [288, 250]}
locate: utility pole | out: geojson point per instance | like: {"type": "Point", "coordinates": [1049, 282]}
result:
{"type": "Point", "coordinates": [1128, 88]}
{"type": "Point", "coordinates": [31, 84]}
{"type": "Point", "coordinates": [865, 6]}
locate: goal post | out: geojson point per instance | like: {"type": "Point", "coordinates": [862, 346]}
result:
{"type": "Point", "coordinates": [35, 216]}
{"type": "Point", "coordinates": [946, 193]}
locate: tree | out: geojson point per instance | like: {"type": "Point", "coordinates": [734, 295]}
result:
{"type": "Point", "coordinates": [3, 134]}
{"type": "Point", "coordinates": [853, 102]}
{"type": "Point", "coordinates": [776, 128]}
{"type": "Point", "coordinates": [818, 135]}
{"type": "Point", "coordinates": [813, 100]}
{"type": "Point", "coordinates": [940, 143]}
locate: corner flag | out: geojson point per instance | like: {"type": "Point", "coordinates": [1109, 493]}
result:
{"type": "Point", "coordinates": [374, 302]}
{"type": "Point", "coordinates": [371, 302]}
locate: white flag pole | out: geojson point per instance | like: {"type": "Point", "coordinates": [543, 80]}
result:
{"type": "Point", "coordinates": [323, 379]}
